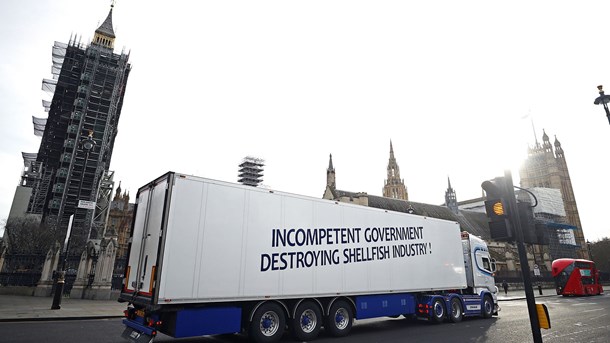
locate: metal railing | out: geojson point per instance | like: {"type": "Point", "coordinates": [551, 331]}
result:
{"type": "Point", "coordinates": [517, 277]}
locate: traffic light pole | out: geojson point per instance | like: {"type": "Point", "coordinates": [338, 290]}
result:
{"type": "Point", "coordinates": [525, 268]}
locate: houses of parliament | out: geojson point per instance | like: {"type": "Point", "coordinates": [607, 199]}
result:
{"type": "Point", "coordinates": [544, 172]}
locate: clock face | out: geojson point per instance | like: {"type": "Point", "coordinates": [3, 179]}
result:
{"type": "Point", "coordinates": [88, 145]}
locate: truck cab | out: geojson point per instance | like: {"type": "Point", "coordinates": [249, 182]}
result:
{"type": "Point", "coordinates": [479, 266]}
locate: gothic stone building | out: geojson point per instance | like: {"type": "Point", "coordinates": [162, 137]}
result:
{"type": "Point", "coordinates": [474, 222]}
{"type": "Point", "coordinates": [119, 220]}
{"type": "Point", "coordinates": [547, 168]}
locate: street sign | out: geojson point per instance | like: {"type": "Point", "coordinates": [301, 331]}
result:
{"type": "Point", "coordinates": [90, 205]}
{"type": "Point", "coordinates": [536, 270]}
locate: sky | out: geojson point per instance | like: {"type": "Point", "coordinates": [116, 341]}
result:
{"type": "Point", "coordinates": [461, 88]}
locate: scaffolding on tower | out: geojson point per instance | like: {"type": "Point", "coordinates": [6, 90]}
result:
{"type": "Point", "coordinates": [82, 99]}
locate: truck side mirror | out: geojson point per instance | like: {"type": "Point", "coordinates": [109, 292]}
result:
{"type": "Point", "coordinates": [493, 265]}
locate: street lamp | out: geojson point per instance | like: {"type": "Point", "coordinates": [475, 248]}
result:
{"type": "Point", "coordinates": [87, 145]}
{"type": "Point", "coordinates": [604, 100]}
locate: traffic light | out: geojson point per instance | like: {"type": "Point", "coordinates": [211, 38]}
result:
{"type": "Point", "coordinates": [497, 208]}
{"type": "Point", "coordinates": [533, 233]}
{"type": "Point", "coordinates": [528, 226]}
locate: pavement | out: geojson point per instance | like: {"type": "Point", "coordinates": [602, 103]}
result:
{"type": "Point", "coordinates": [15, 308]}
{"type": "Point", "coordinates": [28, 308]}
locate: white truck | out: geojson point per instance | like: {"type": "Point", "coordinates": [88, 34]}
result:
{"type": "Point", "coordinates": [209, 257]}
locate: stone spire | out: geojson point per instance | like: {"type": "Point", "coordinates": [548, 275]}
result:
{"type": "Point", "coordinates": [104, 35]}
{"type": "Point", "coordinates": [546, 143]}
{"type": "Point", "coordinates": [394, 186]}
{"type": "Point", "coordinates": [558, 148]}
{"type": "Point", "coordinates": [118, 192]}
{"type": "Point", "coordinates": [450, 197]}
{"type": "Point", "coordinates": [330, 174]}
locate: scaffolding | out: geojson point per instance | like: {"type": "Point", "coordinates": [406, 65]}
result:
{"type": "Point", "coordinates": [102, 205]}
{"type": "Point", "coordinates": [39, 125]}
{"type": "Point", "coordinates": [561, 238]}
{"type": "Point", "coordinates": [251, 171]}
{"type": "Point", "coordinates": [550, 219]}
{"type": "Point", "coordinates": [86, 89]}
{"type": "Point", "coordinates": [33, 176]}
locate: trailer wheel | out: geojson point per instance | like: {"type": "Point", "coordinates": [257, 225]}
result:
{"type": "Point", "coordinates": [268, 323]}
{"type": "Point", "coordinates": [339, 320]}
{"type": "Point", "coordinates": [438, 310]}
{"type": "Point", "coordinates": [457, 313]}
{"type": "Point", "coordinates": [488, 307]}
{"type": "Point", "coordinates": [307, 321]}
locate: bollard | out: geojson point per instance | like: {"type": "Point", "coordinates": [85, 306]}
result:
{"type": "Point", "coordinates": [540, 289]}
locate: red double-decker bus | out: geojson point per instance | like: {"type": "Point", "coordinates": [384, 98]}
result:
{"type": "Point", "coordinates": [576, 277]}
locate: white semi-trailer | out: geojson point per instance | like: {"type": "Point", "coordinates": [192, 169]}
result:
{"type": "Point", "coordinates": [209, 257]}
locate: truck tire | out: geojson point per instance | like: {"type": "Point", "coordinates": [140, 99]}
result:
{"type": "Point", "coordinates": [307, 321]}
{"type": "Point", "coordinates": [268, 323]}
{"type": "Point", "coordinates": [457, 312]}
{"type": "Point", "coordinates": [438, 311]}
{"type": "Point", "coordinates": [340, 319]}
{"type": "Point", "coordinates": [488, 307]}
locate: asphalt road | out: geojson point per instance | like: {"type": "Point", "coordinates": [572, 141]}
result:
{"type": "Point", "coordinates": [583, 319]}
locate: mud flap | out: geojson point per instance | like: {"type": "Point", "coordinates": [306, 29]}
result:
{"type": "Point", "coordinates": [135, 336]}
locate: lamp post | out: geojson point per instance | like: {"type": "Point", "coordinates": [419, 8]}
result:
{"type": "Point", "coordinates": [87, 145]}
{"type": "Point", "coordinates": [61, 276]}
{"type": "Point", "coordinates": [604, 100]}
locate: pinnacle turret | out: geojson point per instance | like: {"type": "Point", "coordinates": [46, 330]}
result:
{"type": "Point", "coordinates": [104, 35]}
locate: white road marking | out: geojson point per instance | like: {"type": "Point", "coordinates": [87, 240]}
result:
{"type": "Point", "coordinates": [593, 310]}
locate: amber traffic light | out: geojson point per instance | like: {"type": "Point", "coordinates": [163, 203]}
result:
{"type": "Point", "coordinates": [496, 206]}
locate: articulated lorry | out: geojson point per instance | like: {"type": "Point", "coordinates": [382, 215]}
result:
{"type": "Point", "coordinates": [208, 257]}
